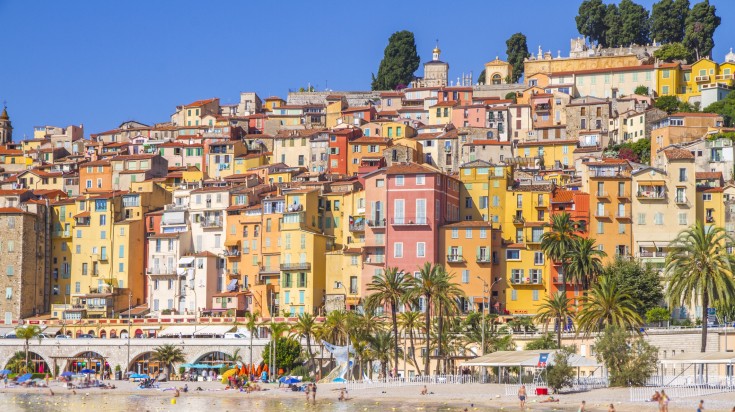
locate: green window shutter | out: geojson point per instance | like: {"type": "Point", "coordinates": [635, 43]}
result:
{"type": "Point", "coordinates": [459, 251]}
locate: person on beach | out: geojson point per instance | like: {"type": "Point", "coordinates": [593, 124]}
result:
{"type": "Point", "coordinates": [341, 395]}
{"type": "Point", "coordinates": [313, 393]}
{"type": "Point", "coordinates": [700, 408]}
{"type": "Point", "coordinates": [664, 401]}
{"type": "Point", "coordinates": [611, 408]}
{"type": "Point", "coordinates": [306, 391]}
{"type": "Point", "coordinates": [582, 407]}
{"type": "Point", "coordinates": [549, 400]}
{"type": "Point", "coordinates": [522, 396]}
{"type": "Point", "coordinates": [424, 391]}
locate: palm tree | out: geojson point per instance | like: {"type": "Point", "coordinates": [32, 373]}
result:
{"type": "Point", "coordinates": [389, 288]}
{"type": "Point", "coordinates": [305, 327]}
{"type": "Point", "coordinates": [337, 327]}
{"type": "Point", "coordinates": [235, 357]}
{"type": "Point", "coordinates": [277, 330]}
{"type": "Point", "coordinates": [699, 270]}
{"type": "Point", "coordinates": [17, 363]}
{"type": "Point", "coordinates": [168, 354]}
{"type": "Point", "coordinates": [251, 324]}
{"type": "Point", "coordinates": [608, 303]}
{"type": "Point", "coordinates": [380, 346]}
{"type": "Point", "coordinates": [555, 308]}
{"type": "Point", "coordinates": [446, 304]}
{"type": "Point", "coordinates": [557, 242]}
{"type": "Point", "coordinates": [409, 322]}
{"type": "Point", "coordinates": [27, 333]}
{"type": "Point", "coordinates": [427, 285]}
{"type": "Point", "coordinates": [584, 261]}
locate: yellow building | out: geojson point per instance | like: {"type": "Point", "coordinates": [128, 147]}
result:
{"type": "Point", "coordinates": [391, 130]}
{"type": "Point", "coordinates": [441, 113]}
{"type": "Point", "coordinates": [710, 199]}
{"type": "Point", "coordinates": [498, 71]}
{"type": "Point", "coordinates": [303, 247]}
{"type": "Point", "coordinates": [687, 82]}
{"type": "Point", "coordinates": [62, 221]}
{"type": "Point", "coordinates": [246, 161]}
{"type": "Point", "coordinates": [550, 151]}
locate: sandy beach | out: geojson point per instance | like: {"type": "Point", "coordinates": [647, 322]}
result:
{"type": "Point", "coordinates": [442, 396]}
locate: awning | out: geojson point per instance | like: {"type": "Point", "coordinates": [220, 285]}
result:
{"type": "Point", "coordinates": [232, 242]}
{"type": "Point", "coordinates": [651, 183]}
{"type": "Point", "coordinates": [150, 327]}
{"type": "Point", "coordinates": [713, 358]}
{"type": "Point", "coordinates": [232, 286]}
{"type": "Point", "coordinates": [52, 330]}
{"type": "Point", "coordinates": [186, 260]}
{"type": "Point", "coordinates": [175, 331]}
{"type": "Point", "coordinates": [210, 330]}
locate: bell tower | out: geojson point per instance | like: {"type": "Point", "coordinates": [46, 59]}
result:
{"type": "Point", "coordinates": [6, 128]}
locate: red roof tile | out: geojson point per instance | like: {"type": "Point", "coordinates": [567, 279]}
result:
{"type": "Point", "coordinates": [678, 154]}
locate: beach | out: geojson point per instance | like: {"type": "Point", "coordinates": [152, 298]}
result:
{"type": "Point", "coordinates": [441, 397]}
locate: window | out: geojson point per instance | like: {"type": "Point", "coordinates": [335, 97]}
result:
{"type": "Point", "coordinates": [512, 254]}
{"type": "Point", "coordinates": [641, 218]}
{"type": "Point", "coordinates": [535, 294]}
{"type": "Point", "coordinates": [658, 218]}
{"type": "Point", "coordinates": [455, 233]}
{"type": "Point", "coordinates": [600, 228]}
{"type": "Point", "coordinates": [465, 276]}
{"type": "Point", "coordinates": [420, 249]}
{"type": "Point", "coordinates": [399, 180]}
{"type": "Point", "coordinates": [683, 218]}
{"type": "Point", "coordinates": [706, 196]}
{"type": "Point", "coordinates": [483, 233]}
{"type": "Point", "coordinates": [420, 179]}
{"type": "Point", "coordinates": [10, 270]}
{"type": "Point", "coordinates": [682, 174]}
{"type": "Point", "coordinates": [483, 202]}
{"type": "Point", "coordinates": [519, 201]}
{"type": "Point", "coordinates": [468, 233]}
{"type": "Point", "coordinates": [621, 228]}
{"type": "Point", "coordinates": [398, 249]}
{"type": "Point", "coordinates": [8, 293]}
{"type": "Point", "coordinates": [538, 258]}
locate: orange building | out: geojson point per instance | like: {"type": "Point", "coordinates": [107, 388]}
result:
{"type": "Point", "coordinates": [95, 176]}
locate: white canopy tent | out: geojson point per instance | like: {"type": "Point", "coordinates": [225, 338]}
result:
{"type": "Point", "coordinates": [527, 359]}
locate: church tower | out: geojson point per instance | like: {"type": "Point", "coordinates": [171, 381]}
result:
{"type": "Point", "coordinates": [6, 128]}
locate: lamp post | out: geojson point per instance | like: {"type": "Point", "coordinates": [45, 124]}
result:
{"type": "Point", "coordinates": [130, 325]}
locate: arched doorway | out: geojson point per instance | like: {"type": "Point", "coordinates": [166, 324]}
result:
{"type": "Point", "coordinates": [123, 334]}
{"type": "Point", "coordinates": [113, 334]}
{"type": "Point", "coordinates": [497, 79]}
{"type": "Point", "coordinates": [79, 333]}
{"type": "Point", "coordinates": [87, 360]}
{"type": "Point", "coordinates": [36, 364]}
{"type": "Point", "coordinates": [215, 359]}
{"type": "Point", "coordinates": [145, 364]}
{"type": "Point", "coordinates": [92, 333]}
{"type": "Point", "coordinates": [103, 334]}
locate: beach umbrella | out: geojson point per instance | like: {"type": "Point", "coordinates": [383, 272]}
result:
{"type": "Point", "coordinates": [66, 374]}
{"type": "Point", "coordinates": [5, 371]}
{"type": "Point", "coordinates": [87, 371]}
{"type": "Point", "coordinates": [289, 380]}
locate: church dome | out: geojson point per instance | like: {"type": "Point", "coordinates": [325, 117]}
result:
{"type": "Point", "coordinates": [730, 57]}
{"type": "Point", "coordinates": [4, 115]}
{"type": "Point", "coordinates": [436, 50]}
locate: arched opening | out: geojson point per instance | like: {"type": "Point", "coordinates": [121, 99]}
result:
{"type": "Point", "coordinates": [497, 79]}
{"type": "Point", "coordinates": [87, 360]}
{"type": "Point", "coordinates": [36, 364]}
{"type": "Point", "coordinates": [123, 334]}
{"type": "Point", "coordinates": [113, 334]}
{"type": "Point", "coordinates": [209, 364]}
{"type": "Point", "coordinates": [144, 364]}
{"type": "Point", "coordinates": [103, 334]}
{"type": "Point", "coordinates": [92, 333]}
{"type": "Point", "coordinates": [68, 333]}
{"type": "Point", "coordinates": [79, 333]}
{"type": "Point", "coordinates": [138, 333]}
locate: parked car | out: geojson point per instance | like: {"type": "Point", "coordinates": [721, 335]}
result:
{"type": "Point", "coordinates": [235, 335]}
{"type": "Point", "coordinates": [85, 336]}
{"type": "Point", "coordinates": [62, 337]}
{"type": "Point", "coordinates": [44, 336]}
{"type": "Point", "coordinates": [11, 335]}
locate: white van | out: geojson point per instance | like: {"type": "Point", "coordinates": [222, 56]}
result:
{"type": "Point", "coordinates": [235, 335]}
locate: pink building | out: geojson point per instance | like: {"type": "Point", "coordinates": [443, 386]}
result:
{"type": "Point", "coordinates": [406, 203]}
{"type": "Point", "coordinates": [472, 115]}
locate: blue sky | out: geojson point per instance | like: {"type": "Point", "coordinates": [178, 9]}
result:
{"type": "Point", "coordinates": [103, 62]}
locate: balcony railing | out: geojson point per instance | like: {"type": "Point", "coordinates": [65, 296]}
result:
{"type": "Point", "coordinates": [724, 77]}
{"type": "Point", "coordinates": [268, 270]}
{"type": "Point", "coordinates": [682, 201]}
{"type": "Point", "coordinates": [601, 214]}
{"type": "Point", "coordinates": [409, 221]}
{"type": "Point", "coordinates": [357, 227]}
{"type": "Point", "coordinates": [211, 223]}
{"type": "Point", "coordinates": [526, 281]}
{"type": "Point", "coordinates": [232, 252]}
{"type": "Point", "coordinates": [519, 220]}
{"type": "Point", "coordinates": [484, 259]}
{"type": "Point", "coordinates": [624, 215]}
{"type": "Point", "coordinates": [375, 259]}
{"type": "Point", "coordinates": [651, 254]}
{"type": "Point", "coordinates": [623, 195]}
{"type": "Point", "coordinates": [701, 79]}
{"type": "Point", "coordinates": [603, 194]}
{"type": "Point", "coordinates": [645, 195]}
{"type": "Point", "coordinates": [377, 223]}
{"type": "Point", "coordinates": [455, 258]}
{"type": "Point", "coordinates": [62, 233]}
{"type": "Point", "coordinates": [296, 266]}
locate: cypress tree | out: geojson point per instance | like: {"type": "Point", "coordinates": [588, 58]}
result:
{"type": "Point", "coordinates": [517, 51]}
{"type": "Point", "coordinates": [400, 61]}
{"type": "Point", "coordinates": [700, 27]}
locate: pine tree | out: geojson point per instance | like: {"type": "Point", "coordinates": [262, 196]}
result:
{"type": "Point", "coordinates": [667, 20]}
{"type": "Point", "coordinates": [635, 21]}
{"type": "Point", "coordinates": [399, 63]}
{"type": "Point", "coordinates": [517, 51]}
{"type": "Point", "coordinates": [613, 27]}
{"type": "Point", "coordinates": [591, 21]}
{"type": "Point", "coordinates": [700, 27]}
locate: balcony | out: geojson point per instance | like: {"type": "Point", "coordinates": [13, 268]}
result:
{"type": "Point", "coordinates": [83, 221]}
{"type": "Point", "coordinates": [518, 220]}
{"type": "Point", "coordinates": [601, 214]}
{"type": "Point", "coordinates": [483, 259]}
{"type": "Point", "coordinates": [232, 253]}
{"type": "Point", "coordinates": [651, 254]}
{"type": "Point", "coordinates": [541, 205]}
{"type": "Point", "coordinates": [375, 259]}
{"type": "Point", "coordinates": [211, 223]}
{"type": "Point", "coordinates": [62, 233]}
{"type": "Point", "coordinates": [357, 226]}
{"type": "Point", "coordinates": [534, 240]}
{"type": "Point", "coordinates": [455, 259]}
{"type": "Point", "coordinates": [623, 196]}
{"type": "Point", "coordinates": [623, 216]}
{"type": "Point", "coordinates": [651, 195]}
{"type": "Point", "coordinates": [710, 219]}
{"type": "Point", "coordinates": [378, 223]}
{"type": "Point", "coordinates": [526, 281]}
{"type": "Point", "coordinates": [701, 79]}
{"type": "Point", "coordinates": [603, 195]}
{"type": "Point", "coordinates": [681, 201]}
{"type": "Point", "coordinates": [295, 266]}
{"type": "Point", "coordinates": [409, 221]}
{"type": "Point", "coordinates": [724, 77]}
{"type": "Point", "coordinates": [268, 270]}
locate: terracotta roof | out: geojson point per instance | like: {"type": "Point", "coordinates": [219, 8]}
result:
{"type": "Point", "coordinates": [357, 109]}
{"type": "Point", "coordinates": [562, 196]}
{"type": "Point", "coordinates": [96, 163]}
{"type": "Point", "coordinates": [694, 114]}
{"type": "Point", "coordinates": [11, 192]}
{"type": "Point", "coordinates": [678, 154]}
{"type": "Point", "coordinates": [371, 139]}
{"type": "Point", "coordinates": [353, 251]}
{"type": "Point", "coordinates": [4, 151]}
{"type": "Point", "coordinates": [713, 189]}
{"type": "Point", "coordinates": [200, 103]}
{"type": "Point", "coordinates": [447, 104]}
{"type": "Point", "coordinates": [547, 142]}
{"type": "Point", "coordinates": [83, 214]}
{"type": "Point", "coordinates": [133, 157]}
{"type": "Point", "coordinates": [408, 168]}
{"type": "Point", "coordinates": [708, 175]}
{"type": "Point", "coordinates": [487, 142]}
{"type": "Point", "coordinates": [9, 210]}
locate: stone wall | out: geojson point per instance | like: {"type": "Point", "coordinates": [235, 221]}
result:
{"type": "Point", "coordinates": [354, 98]}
